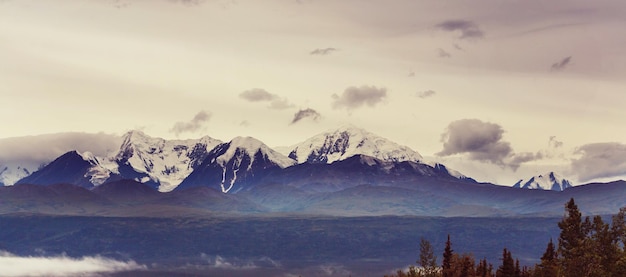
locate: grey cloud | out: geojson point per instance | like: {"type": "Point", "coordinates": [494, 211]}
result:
{"type": "Point", "coordinates": [191, 126]}
{"type": "Point", "coordinates": [35, 150]}
{"type": "Point", "coordinates": [323, 51]}
{"type": "Point", "coordinates": [411, 74]}
{"type": "Point", "coordinates": [62, 265]}
{"type": "Point", "coordinates": [468, 29]}
{"type": "Point", "coordinates": [482, 141]}
{"type": "Point", "coordinates": [558, 66]}
{"type": "Point", "coordinates": [443, 54]}
{"type": "Point", "coordinates": [515, 160]}
{"type": "Point", "coordinates": [306, 113]}
{"type": "Point", "coordinates": [261, 95]}
{"type": "Point", "coordinates": [458, 47]}
{"type": "Point", "coordinates": [425, 94]}
{"type": "Point", "coordinates": [257, 95]}
{"type": "Point", "coordinates": [600, 160]}
{"type": "Point", "coordinates": [356, 97]}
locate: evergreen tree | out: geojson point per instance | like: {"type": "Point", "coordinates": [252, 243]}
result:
{"type": "Point", "coordinates": [481, 269]}
{"type": "Point", "coordinates": [618, 228]}
{"type": "Point", "coordinates": [507, 269]}
{"type": "Point", "coordinates": [428, 260]}
{"type": "Point", "coordinates": [548, 266]}
{"type": "Point", "coordinates": [446, 265]}
{"type": "Point", "coordinates": [604, 250]}
{"type": "Point", "coordinates": [572, 246]}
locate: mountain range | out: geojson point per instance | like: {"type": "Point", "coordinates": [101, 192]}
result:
{"type": "Point", "coordinates": [166, 164]}
{"type": "Point", "coordinates": [348, 171]}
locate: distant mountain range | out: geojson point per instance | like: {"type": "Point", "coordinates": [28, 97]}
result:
{"type": "Point", "coordinates": [227, 166]}
{"type": "Point", "coordinates": [348, 171]}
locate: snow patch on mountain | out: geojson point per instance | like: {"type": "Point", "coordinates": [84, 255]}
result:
{"type": "Point", "coordinates": [102, 168]}
{"type": "Point", "coordinates": [548, 181]}
{"type": "Point", "coordinates": [348, 141]}
{"type": "Point", "coordinates": [167, 162]}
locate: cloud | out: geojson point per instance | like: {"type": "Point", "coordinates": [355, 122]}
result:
{"type": "Point", "coordinates": [558, 66]}
{"type": "Point", "coordinates": [323, 51]}
{"type": "Point", "coordinates": [600, 160]}
{"type": "Point", "coordinates": [515, 160]}
{"type": "Point", "coordinates": [443, 54]}
{"type": "Point", "coordinates": [482, 141]}
{"type": "Point", "coordinates": [553, 143]}
{"type": "Point", "coordinates": [191, 126]}
{"type": "Point", "coordinates": [411, 74]}
{"type": "Point", "coordinates": [356, 97]}
{"type": "Point", "coordinates": [257, 95]}
{"type": "Point", "coordinates": [306, 113]}
{"type": "Point", "coordinates": [458, 47]}
{"type": "Point", "coordinates": [280, 104]}
{"type": "Point", "coordinates": [35, 150]}
{"type": "Point", "coordinates": [468, 29]}
{"type": "Point", "coordinates": [425, 94]}
{"type": "Point", "coordinates": [188, 2]}
{"type": "Point", "coordinates": [238, 264]}
{"type": "Point", "coordinates": [62, 265]}
{"type": "Point", "coordinates": [261, 95]}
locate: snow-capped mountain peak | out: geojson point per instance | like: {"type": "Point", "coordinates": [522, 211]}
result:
{"type": "Point", "coordinates": [548, 181]}
{"type": "Point", "coordinates": [348, 141]}
{"type": "Point", "coordinates": [237, 164]}
{"type": "Point", "coordinates": [166, 162]}
{"type": "Point", "coordinates": [251, 146]}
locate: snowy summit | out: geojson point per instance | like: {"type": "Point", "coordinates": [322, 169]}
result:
{"type": "Point", "coordinates": [549, 181]}
{"type": "Point", "coordinates": [348, 141]}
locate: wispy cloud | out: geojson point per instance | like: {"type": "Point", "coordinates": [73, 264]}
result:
{"type": "Point", "coordinates": [554, 143]}
{"type": "Point", "coordinates": [466, 28]}
{"type": "Point", "coordinates": [323, 51]}
{"type": "Point", "coordinates": [558, 66]}
{"type": "Point", "coordinates": [356, 97]}
{"type": "Point", "coordinates": [261, 95]}
{"type": "Point", "coordinates": [220, 262]}
{"type": "Point", "coordinates": [193, 125]}
{"type": "Point", "coordinates": [306, 113]}
{"type": "Point", "coordinates": [443, 54]}
{"type": "Point", "coordinates": [425, 94]}
{"type": "Point", "coordinates": [12, 265]}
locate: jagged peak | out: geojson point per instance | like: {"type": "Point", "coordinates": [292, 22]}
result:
{"type": "Point", "coordinates": [546, 181]}
{"type": "Point", "coordinates": [251, 146]}
{"type": "Point", "coordinates": [347, 141]}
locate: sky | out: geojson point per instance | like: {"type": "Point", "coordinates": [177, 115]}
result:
{"type": "Point", "coordinates": [499, 90]}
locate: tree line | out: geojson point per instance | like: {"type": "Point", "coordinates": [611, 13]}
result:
{"type": "Point", "coordinates": [586, 247]}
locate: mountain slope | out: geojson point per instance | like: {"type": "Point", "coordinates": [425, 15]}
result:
{"type": "Point", "coordinates": [70, 168]}
{"type": "Point", "coordinates": [233, 166]}
{"type": "Point", "coordinates": [21, 156]}
{"type": "Point", "coordinates": [548, 181]}
{"type": "Point", "coordinates": [346, 142]}
{"type": "Point", "coordinates": [159, 161]}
